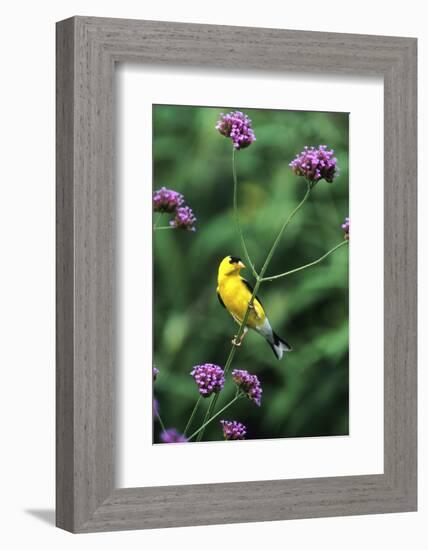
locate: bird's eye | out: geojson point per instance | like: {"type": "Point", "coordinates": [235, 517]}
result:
{"type": "Point", "coordinates": [234, 260]}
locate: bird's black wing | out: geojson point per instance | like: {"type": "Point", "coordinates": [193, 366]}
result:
{"type": "Point", "coordinates": [220, 300]}
{"type": "Point", "coordinates": [251, 289]}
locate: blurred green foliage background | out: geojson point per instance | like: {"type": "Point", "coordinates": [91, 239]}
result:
{"type": "Point", "coordinates": [305, 394]}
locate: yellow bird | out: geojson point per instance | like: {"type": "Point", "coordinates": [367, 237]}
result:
{"type": "Point", "coordinates": [234, 294]}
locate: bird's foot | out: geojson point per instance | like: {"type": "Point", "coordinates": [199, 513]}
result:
{"type": "Point", "coordinates": [236, 342]}
{"type": "Point", "coordinates": [251, 306]}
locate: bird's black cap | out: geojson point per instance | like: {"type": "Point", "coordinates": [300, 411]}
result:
{"type": "Point", "coordinates": [234, 260]}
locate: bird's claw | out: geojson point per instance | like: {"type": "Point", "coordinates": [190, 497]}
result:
{"type": "Point", "coordinates": [236, 342]}
{"type": "Point", "coordinates": [251, 306]}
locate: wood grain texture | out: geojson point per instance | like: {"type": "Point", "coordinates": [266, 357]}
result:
{"type": "Point", "coordinates": [64, 276]}
{"type": "Point", "coordinates": [87, 49]}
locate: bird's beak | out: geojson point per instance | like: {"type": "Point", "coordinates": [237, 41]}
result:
{"type": "Point", "coordinates": [241, 265]}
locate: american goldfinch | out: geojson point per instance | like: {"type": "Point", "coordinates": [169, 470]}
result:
{"type": "Point", "coordinates": [234, 294]}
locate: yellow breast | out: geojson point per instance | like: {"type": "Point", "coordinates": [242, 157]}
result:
{"type": "Point", "coordinates": [235, 296]}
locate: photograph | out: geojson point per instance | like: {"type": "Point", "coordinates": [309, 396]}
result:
{"type": "Point", "coordinates": [250, 274]}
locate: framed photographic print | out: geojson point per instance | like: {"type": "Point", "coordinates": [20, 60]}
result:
{"type": "Point", "coordinates": [226, 350]}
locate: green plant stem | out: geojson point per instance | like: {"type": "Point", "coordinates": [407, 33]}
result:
{"type": "Point", "coordinates": [208, 421]}
{"type": "Point", "coordinates": [195, 408]}
{"type": "Point", "coordinates": [164, 227]}
{"type": "Point", "coordinates": [160, 422]}
{"type": "Point", "coordinates": [236, 215]}
{"type": "Point", "coordinates": [157, 220]}
{"type": "Point", "coordinates": [306, 265]}
{"type": "Point", "coordinates": [207, 413]}
{"type": "Point", "coordinates": [250, 303]}
{"type": "Point", "coordinates": [281, 232]}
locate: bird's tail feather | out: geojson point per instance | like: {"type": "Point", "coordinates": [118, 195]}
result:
{"type": "Point", "coordinates": [278, 345]}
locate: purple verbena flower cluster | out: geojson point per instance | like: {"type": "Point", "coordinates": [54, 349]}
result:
{"type": "Point", "coordinates": [315, 164]}
{"type": "Point", "coordinates": [155, 373]}
{"type": "Point", "coordinates": [248, 384]}
{"type": "Point", "coordinates": [233, 429]}
{"type": "Point", "coordinates": [209, 378]}
{"type": "Point", "coordinates": [345, 227]}
{"type": "Point", "coordinates": [167, 200]}
{"type": "Point", "coordinates": [172, 436]}
{"type": "Point", "coordinates": [184, 219]}
{"type": "Point", "coordinates": [237, 127]}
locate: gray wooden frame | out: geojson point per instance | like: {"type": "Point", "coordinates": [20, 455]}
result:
{"type": "Point", "coordinates": [87, 50]}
